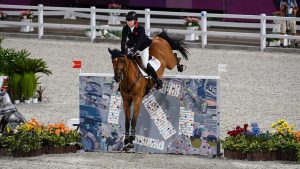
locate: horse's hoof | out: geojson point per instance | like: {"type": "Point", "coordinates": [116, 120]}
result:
{"type": "Point", "coordinates": [127, 147]}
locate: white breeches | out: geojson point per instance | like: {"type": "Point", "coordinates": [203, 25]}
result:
{"type": "Point", "coordinates": [145, 56]}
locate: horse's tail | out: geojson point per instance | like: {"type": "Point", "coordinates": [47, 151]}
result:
{"type": "Point", "coordinates": [175, 43]}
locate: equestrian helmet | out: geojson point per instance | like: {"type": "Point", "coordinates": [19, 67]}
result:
{"type": "Point", "coordinates": [131, 16]}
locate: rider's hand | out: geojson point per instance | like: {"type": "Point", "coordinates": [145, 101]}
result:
{"type": "Point", "coordinates": [124, 52]}
{"type": "Point", "coordinates": [130, 55]}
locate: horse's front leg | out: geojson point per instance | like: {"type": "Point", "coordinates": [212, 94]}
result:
{"type": "Point", "coordinates": [126, 107]}
{"type": "Point", "coordinates": [137, 104]}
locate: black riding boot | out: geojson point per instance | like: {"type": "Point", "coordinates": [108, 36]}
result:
{"type": "Point", "coordinates": [153, 74]}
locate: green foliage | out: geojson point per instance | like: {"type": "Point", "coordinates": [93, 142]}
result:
{"type": "Point", "coordinates": [117, 33]}
{"type": "Point", "coordinates": [31, 65]}
{"type": "Point", "coordinates": [8, 143]}
{"type": "Point", "coordinates": [15, 86]}
{"type": "Point", "coordinates": [55, 140]}
{"type": "Point", "coordinates": [286, 142]}
{"type": "Point", "coordinates": [63, 139]}
{"type": "Point", "coordinates": [17, 62]}
{"type": "Point", "coordinates": [27, 141]}
{"type": "Point", "coordinates": [72, 137]}
{"type": "Point", "coordinates": [29, 84]}
{"type": "Point", "coordinates": [8, 59]}
{"type": "Point", "coordinates": [237, 143]}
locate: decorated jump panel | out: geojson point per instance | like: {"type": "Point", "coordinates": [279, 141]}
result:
{"type": "Point", "coordinates": [182, 117]}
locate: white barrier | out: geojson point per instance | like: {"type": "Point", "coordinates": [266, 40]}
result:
{"type": "Point", "coordinates": [91, 13]}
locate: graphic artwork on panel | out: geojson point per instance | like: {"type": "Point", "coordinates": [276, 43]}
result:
{"type": "Point", "coordinates": [181, 117]}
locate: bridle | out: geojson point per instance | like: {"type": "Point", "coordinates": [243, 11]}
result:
{"type": "Point", "coordinates": [120, 67]}
{"type": "Point", "coordinates": [121, 70]}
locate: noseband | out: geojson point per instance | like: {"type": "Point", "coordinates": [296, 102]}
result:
{"type": "Point", "coordinates": [120, 71]}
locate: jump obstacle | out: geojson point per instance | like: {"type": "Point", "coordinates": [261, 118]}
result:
{"type": "Point", "coordinates": [181, 118]}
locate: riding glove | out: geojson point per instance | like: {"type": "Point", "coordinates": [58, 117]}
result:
{"type": "Point", "coordinates": [130, 55]}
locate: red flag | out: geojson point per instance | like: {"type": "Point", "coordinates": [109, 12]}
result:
{"type": "Point", "coordinates": [76, 64]}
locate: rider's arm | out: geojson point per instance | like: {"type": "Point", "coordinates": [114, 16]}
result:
{"type": "Point", "coordinates": [124, 38]}
{"type": "Point", "coordinates": [140, 39]}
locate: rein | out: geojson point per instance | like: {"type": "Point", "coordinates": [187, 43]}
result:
{"type": "Point", "coordinates": [126, 77]}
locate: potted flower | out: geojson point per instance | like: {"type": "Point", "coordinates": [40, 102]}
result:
{"type": "Point", "coordinates": [27, 14]}
{"type": "Point", "coordinates": [61, 139]}
{"type": "Point", "coordinates": [234, 147]}
{"type": "Point", "coordinates": [28, 139]}
{"type": "Point", "coordinates": [191, 23]}
{"type": "Point", "coordinates": [258, 148]}
{"type": "Point", "coordinates": [236, 143]}
{"type": "Point", "coordinates": [113, 18]}
{"type": "Point", "coordinates": [287, 140]}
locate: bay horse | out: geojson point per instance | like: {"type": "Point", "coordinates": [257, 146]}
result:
{"type": "Point", "coordinates": [133, 85]}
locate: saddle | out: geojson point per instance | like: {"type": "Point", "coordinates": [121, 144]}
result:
{"type": "Point", "coordinates": [154, 62]}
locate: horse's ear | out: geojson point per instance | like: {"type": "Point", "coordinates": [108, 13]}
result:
{"type": "Point", "coordinates": [109, 51]}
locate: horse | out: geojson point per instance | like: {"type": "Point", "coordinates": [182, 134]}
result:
{"type": "Point", "coordinates": [133, 85]}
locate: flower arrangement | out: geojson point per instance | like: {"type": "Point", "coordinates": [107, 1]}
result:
{"type": "Point", "coordinates": [191, 22]}
{"type": "Point", "coordinates": [283, 127]}
{"type": "Point", "coordinates": [297, 134]}
{"type": "Point", "coordinates": [2, 15]}
{"type": "Point", "coordinates": [26, 14]}
{"type": "Point", "coordinates": [238, 130]}
{"type": "Point", "coordinates": [277, 13]}
{"type": "Point", "coordinates": [281, 144]}
{"type": "Point", "coordinates": [114, 6]}
{"type": "Point", "coordinates": [33, 136]}
{"type": "Point", "coordinates": [58, 129]}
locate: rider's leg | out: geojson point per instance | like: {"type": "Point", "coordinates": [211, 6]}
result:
{"type": "Point", "coordinates": [149, 68]}
{"type": "Point", "coordinates": [152, 73]}
{"type": "Point", "coordinates": [145, 56]}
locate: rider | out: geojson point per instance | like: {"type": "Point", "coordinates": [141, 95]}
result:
{"type": "Point", "coordinates": [138, 41]}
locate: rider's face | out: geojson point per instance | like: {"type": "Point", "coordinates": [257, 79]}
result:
{"type": "Point", "coordinates": [130, 23]}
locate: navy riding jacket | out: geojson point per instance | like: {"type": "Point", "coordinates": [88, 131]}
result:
{"type": "Point", "coordinates": [137, 39]}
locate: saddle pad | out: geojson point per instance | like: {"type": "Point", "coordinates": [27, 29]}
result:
{"type": "Point", "coordinates": [155, 63]}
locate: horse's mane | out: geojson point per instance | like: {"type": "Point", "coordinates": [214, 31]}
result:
{"type": "Point", "coordinates": [175, 43]}
{"type": "Point", "coordinates": [115, 53]}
